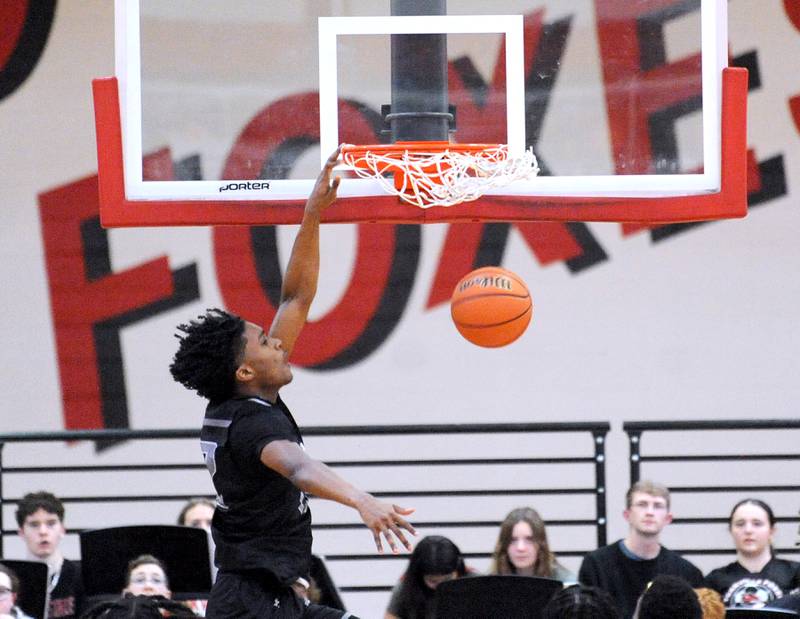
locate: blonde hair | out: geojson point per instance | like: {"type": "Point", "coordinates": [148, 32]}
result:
{"type": "Point", "coordinates": [645, 486]}
{"type": "Point", "coordinates": [711, 603]}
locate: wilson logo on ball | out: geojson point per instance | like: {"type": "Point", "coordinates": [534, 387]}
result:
{"type": "Point", "coordinates": [491, 307]}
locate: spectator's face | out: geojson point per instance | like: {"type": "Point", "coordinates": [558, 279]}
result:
{"type": "Point", "coordinates": [7, 598]}
{"type": "Point", "coordinates": [751, 530]}
{"type": "Point", "coordinates": [199, 517]}
{"type": "Point", "coordinates": [648, 514]}
{"type": "Point", "coordinates": [522, 551]}
{"type": "Point", "coordinates": [42, 532]}
{"type": "Point", "coordinates": [148, 579]}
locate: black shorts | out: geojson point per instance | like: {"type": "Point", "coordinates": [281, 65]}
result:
{"type": "Point", "coordinates": [241, 595]}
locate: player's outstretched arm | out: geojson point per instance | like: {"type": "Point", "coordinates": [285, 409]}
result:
{"type": "Point", "coordinates": [386, 521]}
{"type": "Point", "coordinates": [302, 271]}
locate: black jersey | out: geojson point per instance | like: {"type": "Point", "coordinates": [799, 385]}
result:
{"type": "Point", "coordinates": [738, 587]}
{"type": "Point", "coordinates": [66, 597]}
{"type": "Point", "coordinates": [262, 521]}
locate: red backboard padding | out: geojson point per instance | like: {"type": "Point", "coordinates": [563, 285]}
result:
{"type": "Point", "coordinates": [731, 201]}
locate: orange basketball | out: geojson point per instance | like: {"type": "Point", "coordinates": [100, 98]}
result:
{"type": "Point", "coordinates": [491, 307]}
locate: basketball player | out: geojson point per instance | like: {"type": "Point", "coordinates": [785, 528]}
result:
{"type": "Point", "coordinates": [253, 448]}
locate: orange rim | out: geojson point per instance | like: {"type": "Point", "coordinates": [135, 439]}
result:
{"type": "Point", "coordinates": [359, 150]}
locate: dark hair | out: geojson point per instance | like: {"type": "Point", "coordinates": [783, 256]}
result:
{"type": "Point", "coordinates": [668, 597]}
{"type": "Point", "coordinates": [581, 602]}
{"type": "Point", "coordinates": [545, 559]}
{"type": "Point", "coordinates": [11, 576]}
{"type": "Point", "coordinates": [191, 504]}
{"type": "Point", "coordinates": [757, 503]}
{"type": "Point", "coordinates": [434, 555]}
{"type": "Point", "coordinates": [209, 354]}
{"type": "Point", "coordinates": [145, 560]}
{"type": "Point", "coordinates": [34, 501]}
{"type": "Point", "coordinates": [138, 607]}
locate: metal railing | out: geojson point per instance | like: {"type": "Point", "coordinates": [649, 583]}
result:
{"type": "Point", "coordinates": [759, 440]}
{"type": "Point", "coordinates": [578, 454]}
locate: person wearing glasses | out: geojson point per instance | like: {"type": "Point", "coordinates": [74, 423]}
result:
{"type": "Point", "coordinates": [9, 589]}
{"type": "Point", "coordinates": [624, 568]}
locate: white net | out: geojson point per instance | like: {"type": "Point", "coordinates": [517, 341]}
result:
{"type": "Point", "coordinates": [445, 178]}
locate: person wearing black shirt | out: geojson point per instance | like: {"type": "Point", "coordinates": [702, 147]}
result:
{"type": "Point", "coordinates": [253, 447]}
{"type": "Point", "coordinates": [40, 516]}
{"type": "Point", "coordinates": [756, 577]}
{"type": "Point", "coordinates": [624, 568]}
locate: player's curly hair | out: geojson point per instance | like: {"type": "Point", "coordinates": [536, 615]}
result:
{"type": "Point", "coordinates": [209, 353]}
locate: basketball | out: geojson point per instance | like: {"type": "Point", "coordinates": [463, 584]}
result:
{"type": "Point", "coordinates": [491, 307]}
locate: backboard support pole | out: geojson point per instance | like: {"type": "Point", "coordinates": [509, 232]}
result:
{"type": "Point", "coordinates": [419, 108]}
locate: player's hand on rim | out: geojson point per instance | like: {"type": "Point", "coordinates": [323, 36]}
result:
{"type": "Point", "coordinates": [324, 192]}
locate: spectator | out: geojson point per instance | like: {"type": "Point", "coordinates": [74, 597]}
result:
{"type": "Point", "coordinates": [146, 594]}
{"type": "Point", "coordinates": [756, 577]}
{"type": "Point", "coordinates": [625, 567]}
{"type": "Point", "coordinates": [147, 576]}
{"type": "Point", "coordinates": [197, 513]}
{"type": "Point", "coordinates": [9, 590]}
{"type": "Point", "coordinates": [435, 560]}
{"type": "Point", "coordinates": [711, 603]}
{"type": "Point", "coordinates": [522, 548]}
{"type": "Point", "coordinates": [669, 597]}
{"type": "Point", "coordinates": [40, 516]}
{"type": "Point", "coordinates": [581, 602]}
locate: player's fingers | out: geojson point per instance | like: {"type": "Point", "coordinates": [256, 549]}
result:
{"type": "Point", "coordinates": [398, 533]}
{"type": "Point", "coordinates": [335, 183]}
{"type": "Point", "coordinates": [378, 544]}
{"type": "Point", "coordinates": [403, 510]}
{"type": "Point", "coordinates": [387, 533]}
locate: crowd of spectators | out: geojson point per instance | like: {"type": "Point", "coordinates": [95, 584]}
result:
{"type": "Point", "coordinates": [636, 576]}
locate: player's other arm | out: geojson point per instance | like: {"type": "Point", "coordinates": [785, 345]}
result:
{"type": "Point", "coordinates": [302, 271]}
{"type": "Point", "coordinates": [315, 477]}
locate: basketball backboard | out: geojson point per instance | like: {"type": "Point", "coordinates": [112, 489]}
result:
{"type": "Point", "coordinates": [234, 103]}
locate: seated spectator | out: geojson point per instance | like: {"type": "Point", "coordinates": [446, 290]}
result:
{"type": "Point", "coordinates": [756, 578]}
{"type": "Point", "coordinates": [624, 567]}
{"type": "Point", "coordinates": [668, 597]}
{"type": "Point", "coordinates": [581, 602]}
{"type": "Point", "coordinates": [435, 560]}
{"type": "Point", "coordinates": [40, 516]}
{"type": "Point", "coordinates": [9, 590]}
{"type": "Point", "coordinates": [147, 576]}
{"type": "Point", "coordinates": [522, 548]}
{"type": "Point", "coordinates": [710, 603]}
{"type": "Point", "coordinates": [146, 593]}
{"type": "Point", "coordinates": [197, 513]}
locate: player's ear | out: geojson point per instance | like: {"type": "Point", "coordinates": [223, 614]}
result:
{"type": "Point", "coordinates": [244, 373]}
{"type": "Point", "coordinates": [669, 518]}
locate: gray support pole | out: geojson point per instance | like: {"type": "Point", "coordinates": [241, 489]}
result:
{"type": "Point", "coordinates": [419, 109]}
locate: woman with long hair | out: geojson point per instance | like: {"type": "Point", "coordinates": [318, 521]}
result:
{"type": "Point", "coordinates": [522, 548]}
{"type": "Point", "coordinates": [435, 560]}
{"type": "Point", "coordinates": [757, 576]}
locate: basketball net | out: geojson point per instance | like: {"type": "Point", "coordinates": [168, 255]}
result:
{"type": "Point", "coordinates": [430, 174]}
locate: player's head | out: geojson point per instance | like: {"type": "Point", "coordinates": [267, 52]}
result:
{"type": "Point", "coordinates": [40, 516]}
{"type": "Point", "coordinates": [522, 546]}
{"type": "Point", "coordinates": [667, 597]}
{"type": "Point", "coordinates": [752, 525]}
{"type": "Point", "coordinates": [147, 575]}
{"type": "Point", "coordinates": [647, 508]}
{"type": "Point", "coordinates": [581, 602]}
{"type": "Point", "coordinates": [197, 513]}
{"type": "Point", "coordinates": [9, 588]}
{"type": "Point", "coordinates": [209, 353]}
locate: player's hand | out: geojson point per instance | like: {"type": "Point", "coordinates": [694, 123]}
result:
{"type": "Point", "coordinates": [324, 192]}
{"type": "Point", "coordinates": [386, 521]}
